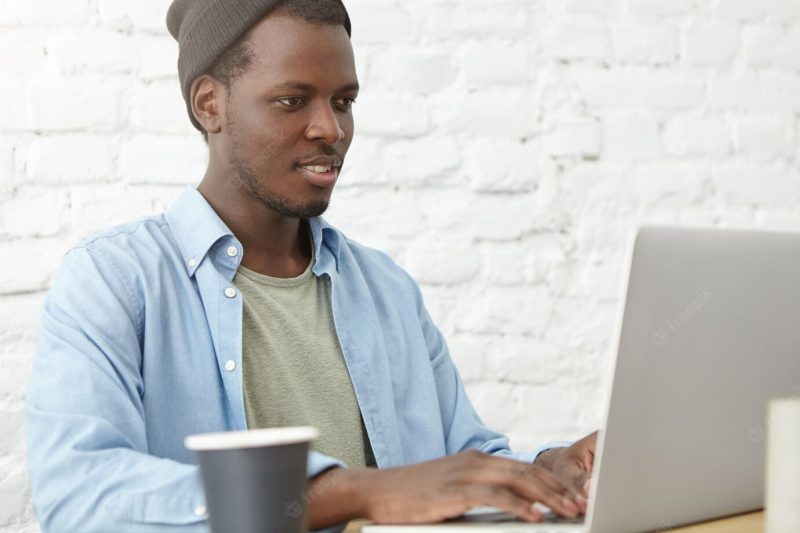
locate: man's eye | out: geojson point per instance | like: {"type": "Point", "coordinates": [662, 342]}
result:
{"type": "Point", "coordinates": [346, 103]}
{"type": "Point", "coordinates": [291, 101]}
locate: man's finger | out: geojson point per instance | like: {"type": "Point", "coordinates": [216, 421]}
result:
{"type": "Point", "coordinates": [500, 470]}
{"type": "Point", "coordinates": [584, 482]}
{"type": "Point", "coordinates": [504, 499]}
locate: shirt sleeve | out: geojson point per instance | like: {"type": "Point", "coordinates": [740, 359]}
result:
{"type": "Point", "coordinates": [87, 443]}
{"type": "Point", "coordinates": [463, 428]}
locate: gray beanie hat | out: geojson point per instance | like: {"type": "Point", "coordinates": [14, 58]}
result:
{"type": "Point", "coordinates": [205, 29]}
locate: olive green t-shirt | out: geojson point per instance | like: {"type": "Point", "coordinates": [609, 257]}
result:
{"type": "Point", "coordinates": [293, 369]}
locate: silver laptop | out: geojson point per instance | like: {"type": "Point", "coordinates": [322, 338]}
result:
{"type": "Point", "coordinates": [710, 331]}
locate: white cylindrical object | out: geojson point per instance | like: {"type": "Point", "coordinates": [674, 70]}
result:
{"type": "Point", "coordinates": [782, 496]}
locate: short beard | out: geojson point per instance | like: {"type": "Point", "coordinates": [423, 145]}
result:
{"type": "Point", "coordinates": [272, 200]}
{"type": "Point", "coordinates": [269, 199]}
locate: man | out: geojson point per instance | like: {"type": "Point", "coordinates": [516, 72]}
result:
{"type": "Point", "coordinates": [240, 307]}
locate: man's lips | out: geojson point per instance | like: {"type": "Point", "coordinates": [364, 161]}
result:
{"type": "Point", "coordinates": [326, 178]}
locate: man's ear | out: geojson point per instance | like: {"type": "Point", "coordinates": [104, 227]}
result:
{"type": "Point", "coordinates": [208, 102]}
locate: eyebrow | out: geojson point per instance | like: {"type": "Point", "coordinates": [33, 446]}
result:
{"type": "Point", "coordinates": [310, 88]}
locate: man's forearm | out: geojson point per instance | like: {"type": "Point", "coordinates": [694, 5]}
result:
{"type": "Point", "coordinates": [339, 495]}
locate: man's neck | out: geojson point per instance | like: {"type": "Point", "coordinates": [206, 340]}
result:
{"type": "Point", "coordinates": [274, 245]}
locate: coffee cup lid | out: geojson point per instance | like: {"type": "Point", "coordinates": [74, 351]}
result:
{"type": "Point", "coordinates": [253, 438]}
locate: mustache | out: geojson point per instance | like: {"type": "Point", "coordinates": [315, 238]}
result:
{"type": "Point", "coordinates": [327, 151]}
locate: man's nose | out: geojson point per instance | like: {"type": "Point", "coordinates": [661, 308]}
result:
{"type": "Point", "coordinates": [324, 125]}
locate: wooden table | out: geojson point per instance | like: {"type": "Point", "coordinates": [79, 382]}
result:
{"type": "Point", "coordinates": [746, 523]}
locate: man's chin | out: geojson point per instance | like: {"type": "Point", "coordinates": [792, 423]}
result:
{"type": "Point", "coordinates": [307, 210]}
{"type": "Point", "coordinates": [313, 210]}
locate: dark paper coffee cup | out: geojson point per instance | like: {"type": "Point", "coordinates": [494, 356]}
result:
{"type": "Point", "coordinates": [255, 480]}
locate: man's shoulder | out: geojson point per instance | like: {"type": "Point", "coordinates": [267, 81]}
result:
{"type": "Point", "coordinates": [135, 227]}
{"type": "Point", "coordinates": [141, 241]}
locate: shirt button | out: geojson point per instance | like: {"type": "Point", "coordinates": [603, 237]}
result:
{"type": "Point", "coordinates": [192, 262]}
{"type": "Point", "coordinates": [230, 366]}
{"type": "Point", "coordinates": [200, 510]}
{"type": "Point", "coordinates": [230, 292]}
{"type": "Point", "coordinates": [232, 251]}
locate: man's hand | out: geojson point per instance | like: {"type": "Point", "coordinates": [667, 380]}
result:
{"type": "Point", "coordinates": [572, 466]}
{"type": "Point", "coordinates": [439, 489]}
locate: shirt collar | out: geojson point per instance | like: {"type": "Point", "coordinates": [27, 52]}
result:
{"type": "Point", "coordinates": [197, 227]}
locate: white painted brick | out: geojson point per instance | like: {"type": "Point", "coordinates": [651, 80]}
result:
{"type": "Point", "coordinates": [360, 210]}
{"type": "Point", "coordinates": [576, 137]}
{"type": "Point", "coordinates": [775, 47]}
{"type": "Point", "coordinates": [16, 509]}
{"type": "Point", "coordinates": [495, 404]}
{"type": "Point", "coordinates": [588, 325]}
{"type": "Point", "coordinates": [782, 11]}
{"type": "Point", "coordinates": [33, 212]}
{"type": "Point", "coordinates": [7, 177]}
{"type": "Point", "coordinates": [162, 159]}
{"type": "Point", "coordinates": [577, 40]}
{"type": "Point", "coordinates": [740, 10]}
{"type": "Point", "coordinates": [505, 310]}
{"type": "Point", "coordinates": [13, 108]}
{"type": "Point", "coordinates": [776, 188]}
{"type": "Point", "coordinates": [74, 51]}
{"type": "Point", "coordinates": [546, 409]}
{"type": "Point", "coordinates": [711, 43]}
{"type": "Point", "coordinates": [12, 438]}
{"type": "Point", "coordinates": [41, 13]}
{"type": "Point", "coordinates": [778, 220]}
{"type": "Point", "coordinates": [702, 136]}
{"type": "Point", "coordinates": [631, 137]}
{"type": "Point", "coordinates": [504, 263]}
{"type": "Point", "coordinates": [500, 217]}
{"type": "Point", "coordinates": [765, 138]}
{"type": "Point", "coordinates": [492, 112]}
{"type": "Point", "coordinates": [646, 43]}
{"type": "Point", "coordinates": [29, 51]}
{"type": "Point", "coordinates": [546, 254]}
{"type": "Point", "coordinates": [587, 6]}
{"type": "Point", "coordinates": [670, 184]}
{"type": "Point", "coordinates": [414, 69]}
{"type": "Point", "coordinates": [465, 20]}
{"type": "Point", "coordinates": [754, 93]}
{"type": "Point", "coordinates": [382, 24]}
{"type": "Point", "coordinates": [649, 89]}
{"type": "Point", "coordinates": [391, 114]}
{"type": "Point", "coordinates": [494, 63]}
{"type": "Point", "coordinates": [159, 106]}
{"type": "Point", "coordinates": [29, 264]}
{"type": "Point", "coordinates": [363, 163]}
{"type": "Point", "coordinates": [158, 57]}
{"type": "Point", "coordinates": [434, 264]}
{"type": "Point", "coordinates": [503, 165]}
{"type": "Point", "coordinates": [602, 185]}
{"type": "Point", "coordinates": [95, 208]}
{"type": "Point", "coordinates": [75, 103]}
{"type": "Point", "coordinates": [15, 371]}
{"type": "Point", "coordinates": [468, 352]}
{"type": "Point", "coordinates": [420, 161]}
{"type": "Point", "coordinates": [659, 8]}
{"type": "Point", "coordinates": [20, 318]}
{"type": "Point", "coordinates": [149, 15]}
{"type": "Point", "coordinates": [524, 360]}
{"type": "Point", "coordinates": [68, 159]}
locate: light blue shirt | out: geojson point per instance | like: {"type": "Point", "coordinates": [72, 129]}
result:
{"type": "Point", "coordinates": [141, 345]}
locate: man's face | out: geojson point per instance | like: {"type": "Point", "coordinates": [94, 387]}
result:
{"type": "Point", "coordinates": [291, 107]}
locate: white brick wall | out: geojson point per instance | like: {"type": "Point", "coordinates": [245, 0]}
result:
{"type": "Point", "coordinates": [504, 150]}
